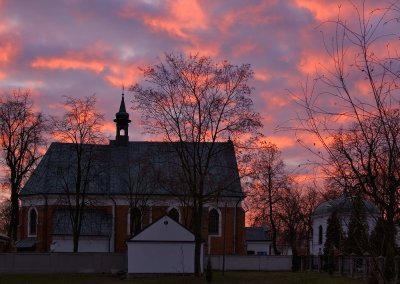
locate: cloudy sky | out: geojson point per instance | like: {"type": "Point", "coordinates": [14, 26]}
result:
{"type": "Point", "coordinates": [79, 48]}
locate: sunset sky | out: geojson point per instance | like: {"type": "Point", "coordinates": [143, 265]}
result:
{"type": "Point", "coordinates": [79, 48]}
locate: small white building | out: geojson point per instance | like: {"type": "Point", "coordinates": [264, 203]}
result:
{"type": "Point", "coordinates": [258, 241]}
{"type": "Point", "coordinates": [343, 205]}
{"type": "Point", "coordinates": [165, 246]}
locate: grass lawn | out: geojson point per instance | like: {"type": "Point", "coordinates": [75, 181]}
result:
{"type": "Point", "coordinates": [230, 277]}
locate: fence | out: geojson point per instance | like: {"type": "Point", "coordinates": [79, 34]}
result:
{"type": "Point", "coordinates": [49, 263]}
{"type": "Point", "coordinates": [65, 263]}
{"type": "Point", "coordinates": [351, 265]}
{"type": "Point", "coordinates": [252, 262]}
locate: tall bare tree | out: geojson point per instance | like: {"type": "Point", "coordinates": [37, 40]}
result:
{"type": "Point", "coordinates": [269, 182]}
{"type": "Point", "coordinates": [352, 109]}
{"type": "Point", "coordinates": [81, 127]}
{"type": "Point", "coordinates": [196, 103]}
{"type": "Point", "coordinates": [292, 212]}
{"type": "Point", "coordinates": [22, 133]}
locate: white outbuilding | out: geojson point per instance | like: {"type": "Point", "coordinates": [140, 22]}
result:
{"type": "Point", "coordinates": [165, 246]}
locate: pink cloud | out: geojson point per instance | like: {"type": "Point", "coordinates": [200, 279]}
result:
{"type": "Point", "coordinates": [180, 18]}
{"type": "Point", "coordinates": [68, 63]}
{"type": "Point", "coordinates": [123, 75]}
{"type": "Point", "coordinates": [262, 75]}
{"type": "Point", "coordinates": [8, 51]}
{"type": "Point", "coordinates": [323, 10]}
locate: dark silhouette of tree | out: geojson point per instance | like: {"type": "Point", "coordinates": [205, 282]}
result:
{"type": "Point", "coordinates": [22, 133]}
{"type": "Point", "coordinates": [81, 127]}
{"type": "Point", "coordinates": [295, 208]}
{"type": "Point", "coordinates": [196, 103]}
{"type": "Point", "coordinates": [380, 244]}
{"type": "Point", "coordinates": [357, 129]}
{"type": "Point", "coordinates": [333, 241]}
{"type": "Point", "coordinates": [357, 240]}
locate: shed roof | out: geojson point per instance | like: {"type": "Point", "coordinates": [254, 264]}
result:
{"type": "Point", "coordinates": [256, 234]}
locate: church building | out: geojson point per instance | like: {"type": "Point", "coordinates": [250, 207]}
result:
{"type": "Point", "coordinates": [130, 185]}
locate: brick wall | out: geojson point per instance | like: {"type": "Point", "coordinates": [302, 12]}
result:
{"type": "Point", "coordinates": [226, 241]}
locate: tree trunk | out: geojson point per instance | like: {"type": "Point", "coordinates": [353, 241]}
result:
{"type": "Point", "coordinates": [197, 217]}
{"type": "Point", "coordinates": [271, 219]}
{"type": "Point", "coordinates": [12, 231]}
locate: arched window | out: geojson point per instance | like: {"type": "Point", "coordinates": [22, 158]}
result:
{"type": "Point", "coordinates": [135, 220]}
{"type": "Point", "coordinates": [320, 235]}
{"type": "Point", "coordinates": [32, 229]}
{"type": "Point", "coordinates": [174, 214]}
{"type": "Point", "coordinates": [213, 222]}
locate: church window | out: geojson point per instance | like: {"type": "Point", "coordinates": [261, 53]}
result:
{"type": "Point", "coordinates": [135, 220]}
{"type": "Point", "coordinates": [320, 235]}
{"type": "Point", "coordinates": [213, 222]}
{"type": "Point", "coordinates": [174, 214]}
{"type": "Point", "coordinates": [32, 221]}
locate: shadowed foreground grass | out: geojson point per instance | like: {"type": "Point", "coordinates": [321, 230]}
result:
{"type": "Point", "coordinates": [230, 277]}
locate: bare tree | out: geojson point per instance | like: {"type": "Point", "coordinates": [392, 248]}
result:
{"type": "Point", "coordinates": [293, 216]}
{"type": "Point", "coordinates": [80, 127]}
{"type": "Point", "coordinates": [21, 138]}
{"type": "Point", "coordinates": [5, 208]}
{"type": "Point", "coordinates": [352, 109]}
{"type": "Point", "coordinates": [269, 181]}
{"type": "Point", "coordinates": [196, 103]}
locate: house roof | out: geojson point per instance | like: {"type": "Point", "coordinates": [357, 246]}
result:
{"type": "Point", "coordinates": [344, 205]}
{"type": "Point", "coordinates": [95, 222]}
{"type": "Point", "coordinates": [256, 234]}
{"type": "Point", "coordinates": [151, 168]}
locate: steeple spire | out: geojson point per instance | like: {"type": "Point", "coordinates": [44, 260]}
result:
{"type": "Point", "coordinates": [122, 108]}
{"type": "Point", "coordinates": [122, 123]}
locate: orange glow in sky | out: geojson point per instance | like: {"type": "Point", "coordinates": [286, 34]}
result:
{"type": "Point", "coordinates": [79, 49]}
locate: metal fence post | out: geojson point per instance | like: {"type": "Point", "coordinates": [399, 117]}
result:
{"type": "Point", "coordinates": [396, 268]}
{"type": "Point", "coordinates": [352, 260]}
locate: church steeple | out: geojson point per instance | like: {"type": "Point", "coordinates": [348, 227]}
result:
{"type": "Point", "coordinates": [122, 122]}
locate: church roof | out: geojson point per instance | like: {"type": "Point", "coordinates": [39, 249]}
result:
{"type": "Point", "coordinates": [344, 205]}
{"type": "Point", "coordinates": [150, 168]}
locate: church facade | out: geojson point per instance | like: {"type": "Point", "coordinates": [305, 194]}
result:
{"type": "Point", "coordinates": [130, 186]}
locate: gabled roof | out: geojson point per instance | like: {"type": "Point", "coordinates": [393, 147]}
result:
{"type": "Point", "coordinates": [164, 229]}
{"type": "Point", "coordinates": [151, 168]}
{"type": "Point", "coordinates": [256, 234]}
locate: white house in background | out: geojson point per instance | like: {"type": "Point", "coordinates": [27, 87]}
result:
{"type": "Point", "coordinates": [343, 205]}
{"type": "Point", "coordinates": [258, 241]}
{"type": "Point", "coordinates": [165, 246]}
